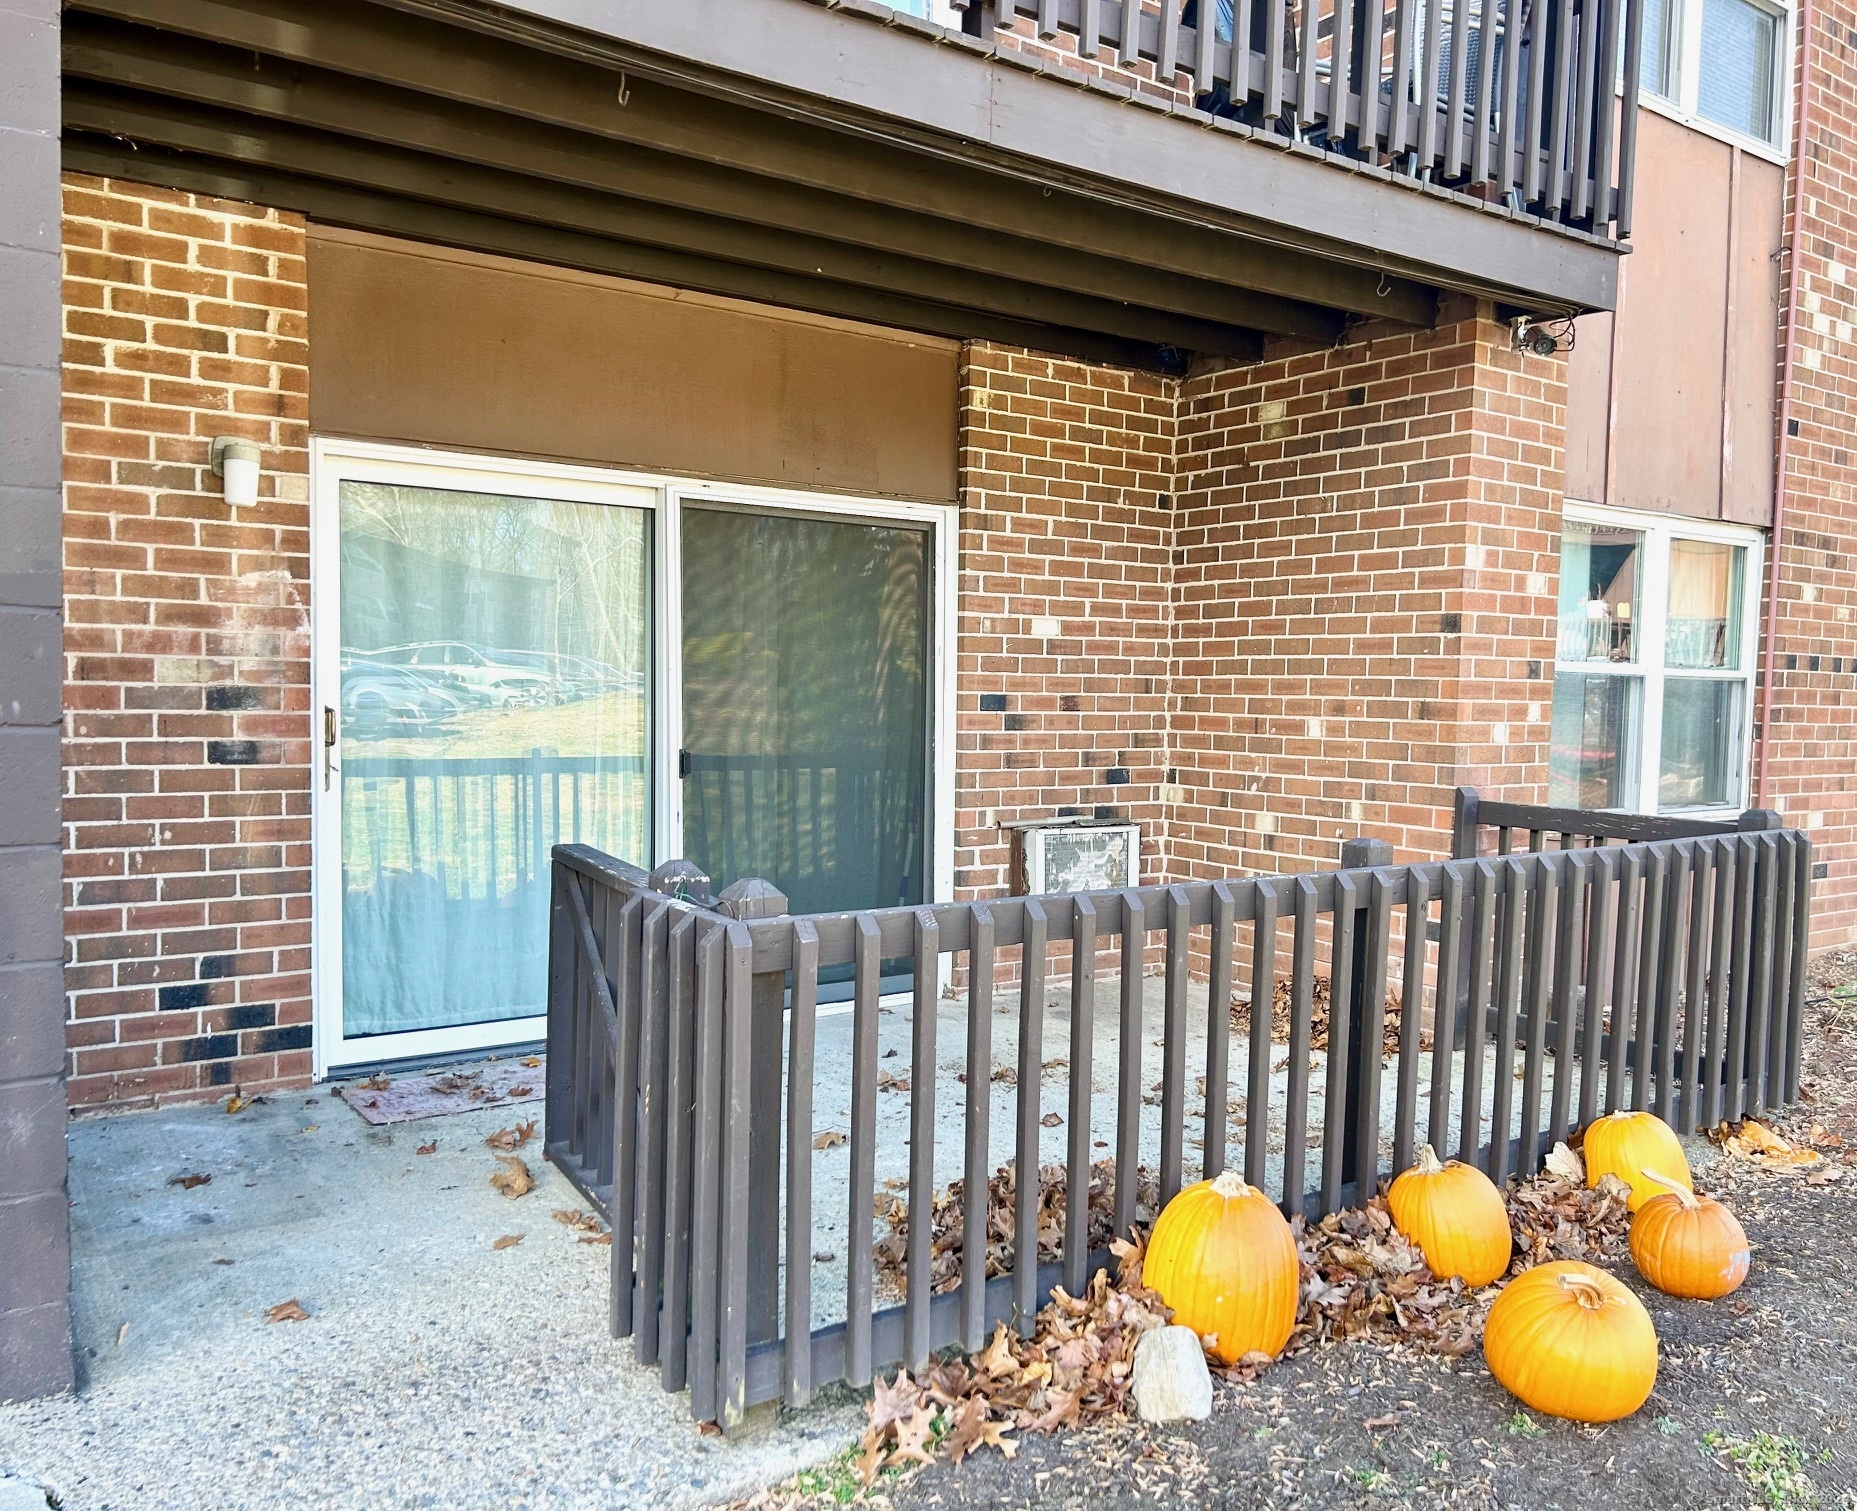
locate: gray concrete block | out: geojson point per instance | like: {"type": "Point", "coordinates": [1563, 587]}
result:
{"type": "Point", "coordinates": [32, 1014]}
{"type": "Point", "coordinates": [31, 547]}
{"type": "Point", "coordinates": [31, 911]}
{"type": "Point", "coordinates": [32, 668]}
{"type": "Point", "coordinates": [29, 319]}
{"type": "Point", "coordinates": [29, 784]}
{"type": "Point", "coordinates": [32, 1151]}
{"type": "Point", "coordinates": [29, 197]}
{"type": "Point", "coordinates": [35, 1352]}
{"type": "Point", "coordinates": [29, 82]}
{"type": "Point", "coordinates": [31, 440]}
{"type": "Point", "coordinates": [37, 1271]}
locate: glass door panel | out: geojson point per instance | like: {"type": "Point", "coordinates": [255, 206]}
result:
{"type": "Point", "coordinates": [495, 696]}
{"type": "Point", "coordinates": [806, 654]}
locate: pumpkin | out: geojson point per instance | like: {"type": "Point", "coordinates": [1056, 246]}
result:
{"type": "Point", "coordinates": [1570, 1341]}
{"type": "Point", "coordinates": [1688, 1245]}
{"type": "Point", "coordinates": [1456, 1216]}
{"type": "Point", "coordinates": [1626, 1144]}
{"type": "Point", "coordinates": [1224, 1259]}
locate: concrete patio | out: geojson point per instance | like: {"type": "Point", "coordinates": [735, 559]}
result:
{"type": "Point", "coordinates": [433, 1371]}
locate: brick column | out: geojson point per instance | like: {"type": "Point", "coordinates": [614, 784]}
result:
{"type": "Point", "coordinates": [35, 1275]}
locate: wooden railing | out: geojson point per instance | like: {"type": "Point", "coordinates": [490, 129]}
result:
{"type": "Point", "coordinates": [1508, 100]}
{"type": "Point", "coordinates": [1488, 1006]}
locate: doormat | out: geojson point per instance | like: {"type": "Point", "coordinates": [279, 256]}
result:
{"type": "Point", "coordinates": [436, 1093]}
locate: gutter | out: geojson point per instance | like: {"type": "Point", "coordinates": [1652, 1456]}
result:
{"type": "Point", "coordinates": [1783, 452]}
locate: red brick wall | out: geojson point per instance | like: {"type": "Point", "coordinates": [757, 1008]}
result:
{"type": "Point", "coordinates": [1366, 552]}
{"type": "Point", "coordinates": [1812, 752]}
{"type": "Point", "coordinates": [187, 748]}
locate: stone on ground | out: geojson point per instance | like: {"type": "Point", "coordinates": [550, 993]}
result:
{"type": "Point", "coordinates": [1172, 1383]}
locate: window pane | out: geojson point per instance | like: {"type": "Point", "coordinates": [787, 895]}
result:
{"type": "Point", "coordinates": [1654, 72]}
{"type": "Point", "coordinates": [1595, 718]}
{"type": "Point", "coordinates": [1704, 628]}
{"type": "Point", "coordinates": [1701, 760]}
{"type": "Point", "coordinates": [1735, 85]}
{"type": "Point", "coordinates": [1598, 592]}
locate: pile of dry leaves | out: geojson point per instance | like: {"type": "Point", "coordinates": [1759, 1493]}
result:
{"type": "Point", "coordinates": [1077, 1367]}
{"type": "Point", "coordinates": [1318, 1017]}
{"type": "Point", "coordinates": [949, 1225]}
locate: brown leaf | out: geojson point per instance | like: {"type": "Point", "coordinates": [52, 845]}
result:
{"type": "Point", "coordinates": [892, 1402]}
{"type": "Point", "coordinates": [431, 1148]}
{"type": "Point", "coordinates": [512, 1138]}
{"type": "Point", "coordinates": [828, 1138]}
{"type": "Point", "coordinates": [913, 1438]}
{"type": "Point", "coordinates": [188, 1182]}
{"type": "Point", "coordinates": [1567, 1165]}
{"type": "Point", "coordinates": [376, 1082]}
{"type": "Point", "coordinates": [573, 1217]}
{"type": "Point", "coordinates": [238, 1103]}
{"type": "Point", "coordinates": [708, 1429]}
{"type": "Point", "coordinates": [513, 1179]}
{"type": "Point", "coordinates": [531, 1062]}
{"type": "Point", "coordinates": [508, 1241]}
{"type": "Point", "coordinates": [287, 1311]}
{"type": "Point", "coordinates": [1380, 1424]}
{"type": "Point", "coordinates": [870, 1460]}
{"type": "Point", "coordinates": [520, 1091]}
{"type": "Point", "coordinates": [1050, 1120]}
{"type": "Point", "coordinates": [996, 1359]}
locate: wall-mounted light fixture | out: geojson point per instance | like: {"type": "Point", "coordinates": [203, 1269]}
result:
{"type": "Point", "coordinates": [237, 462]}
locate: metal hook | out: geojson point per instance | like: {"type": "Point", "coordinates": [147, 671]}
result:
{"type": "Point", "coordinates": [625, 93]}
{"type": "Point", "coordinates": [1384, 288]}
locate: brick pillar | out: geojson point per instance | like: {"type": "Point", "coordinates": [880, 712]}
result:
{"type": "Point", "coordinates": [35, 1277]}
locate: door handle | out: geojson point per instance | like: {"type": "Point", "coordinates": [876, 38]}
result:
{"type": "Point", "coordinates": [328, 746]}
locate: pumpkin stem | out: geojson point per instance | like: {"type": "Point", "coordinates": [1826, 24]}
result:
{"type": "Point", "coordinates": [1428, 1162]}
{"type": "Point", "coordinates": [1676, 1188]}
{"type": "Point", "coordinates": [1584, 1290]}
{"type": "Point", "coordinates": [1229, 1184]}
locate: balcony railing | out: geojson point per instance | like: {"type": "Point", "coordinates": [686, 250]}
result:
{"type": "Point", "coordinates": [1512, 101]}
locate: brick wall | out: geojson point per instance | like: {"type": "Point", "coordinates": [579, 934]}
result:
{"type": "Point", "coordinates": [1812, 754]}
{"type": "Point", "coordinates": [187, 738]}
{"type": "Point", "coordinates": [1367, 541]}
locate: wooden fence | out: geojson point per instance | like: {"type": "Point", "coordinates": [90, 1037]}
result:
{"type": "Point", "coordinates": [684, 1066]}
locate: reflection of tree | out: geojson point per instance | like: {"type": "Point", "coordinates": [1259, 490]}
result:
{"type": "Point", "coordinates": [465, 552]}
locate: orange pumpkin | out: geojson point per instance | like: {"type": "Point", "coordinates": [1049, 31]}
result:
{"type": "Point", "coordinates": [1224, 1259]}
{"type": "Point", "coordinates": [1570, 1341]}
{"type": "Point", "coordinates": [1688, 1245]}
{"type": "Point", "coordinates": [1456, 1216]}
{"type": "Point", "coordinates": [1626, 1144]}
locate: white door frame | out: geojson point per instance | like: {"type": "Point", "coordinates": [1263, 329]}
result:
{"type": "Point", "coordinates": [333, 460]}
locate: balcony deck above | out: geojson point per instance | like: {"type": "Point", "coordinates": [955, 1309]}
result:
{"type": "Point", "coordinates": [838, 156]}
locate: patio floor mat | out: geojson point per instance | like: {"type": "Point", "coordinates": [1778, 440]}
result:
{"type": "Point", "coordinates": [435, 1093]}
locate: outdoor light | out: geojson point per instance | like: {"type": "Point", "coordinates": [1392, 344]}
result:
{"type": "Point", "coordinates": [237, 462]}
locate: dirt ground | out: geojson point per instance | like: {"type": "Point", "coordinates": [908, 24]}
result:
{"type": "Point", "coordinates": [1755, 1405]}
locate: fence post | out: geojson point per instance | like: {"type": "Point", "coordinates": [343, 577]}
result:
{"type": "Point", "coordinates": [1759, 821]}
{"type": "Point", "coordinates": [1358, 854]}
{"type": "Point", "coordinates": [684, 881]}
{"type": "Point", "coordinates": [748, 899]}
{"type": "Point", "coordinates": [1464, 818]}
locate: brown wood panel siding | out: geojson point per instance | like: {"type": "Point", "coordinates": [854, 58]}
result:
{"type": "Point", "coordinates": [432, 346]}
{"type": "Point", "coordinates": [1684, 423]}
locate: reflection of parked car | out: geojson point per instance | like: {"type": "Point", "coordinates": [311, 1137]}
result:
{"type": "Point", "coordinates": [499, 683]}
{"type": "Point", "coordinates": [381, 699]}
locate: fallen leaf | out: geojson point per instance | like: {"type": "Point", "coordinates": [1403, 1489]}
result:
{"type": "Point", "coordinates": [573, 1217]}
{"type": "Point", "coordinates": [287, 1311]}
{"type": "Point", "coordinates": [708, 1429]}
{"type": "Point", "coordinates": [520, 1091]}
{"type": "Point", "coordinates": [376, 1082]}
{"type": "Point", "coordinates": [512, 1138]}
{"type": "Point", "coordinates": [1567, 1165]}
{"type": "Point", "coordinates": [188, 1182]}
{"type": "Point", "coordinates": [431, 1148]}
{"type": "Point", "coordinates": [530, 1062]}
{"type": "Point", "coordinates": [1380, 1424]}
{"type": "Point", "coordinates": [829, 1138]}
{"type": "Point", "coordinates": [508, 1241]}
{"type": "Point", "coordinates": [237, 1103]}
{"type": "Point", "coordinates": [606, 1238]}
{"type": "Point", "coordinates": [1760, 1145]}
{"type": "Point", "coordinates": [311, 1127]}
{"type": "Point", "coordinates": [1050, 1120]}
{"type": "Point", "coordinates": [514, 1179]}
{"type": "Point", "coordinates": [121, 1333]}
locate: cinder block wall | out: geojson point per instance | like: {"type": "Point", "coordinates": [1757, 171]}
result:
{"type": "Point", "coordinates": [187, 744]}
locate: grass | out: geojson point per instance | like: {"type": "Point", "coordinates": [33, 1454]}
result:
{"type": "Point", "coordinates": [1774, 1466]}
{"type": "Point", "coordinates": [834, 1482]}
{"type": "Point", "coordinates": [1522, 1425]}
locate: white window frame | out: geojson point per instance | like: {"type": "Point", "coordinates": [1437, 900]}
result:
{"type": "Point", "coordinates": [1648, 670]}
{"type": "Point", "coordinates": [1685, 25]}
{"type": "Point", "coordinates": [332, 460]}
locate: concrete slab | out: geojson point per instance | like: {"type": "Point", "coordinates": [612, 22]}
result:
{"type": "Point", "coordinates": [433, 1371]}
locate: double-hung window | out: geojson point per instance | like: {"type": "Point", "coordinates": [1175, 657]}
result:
{"type": "Point", "coordinates": [1719, 62]}
{"type": "Point", "coordinates": [1654, 663]}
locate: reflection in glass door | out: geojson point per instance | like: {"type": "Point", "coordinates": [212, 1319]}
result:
{"type": "Point", "coordinates": [806, 663]}
{"type": "Point", "coordinates": [493, 697]}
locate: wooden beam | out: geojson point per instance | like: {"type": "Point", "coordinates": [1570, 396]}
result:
{"type": "Point", "coordinates": [208, 74]}
{"type": "Point", "coordinates": [239, 138]}
{"type": "Point", "coordinates": [412, 52]}
{"type": "Point", "coordinates": [392, 214]}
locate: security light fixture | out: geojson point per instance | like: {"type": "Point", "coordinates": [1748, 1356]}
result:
{"type": "Point", "coordinates": [237, 462]}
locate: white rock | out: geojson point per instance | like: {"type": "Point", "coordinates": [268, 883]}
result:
{"type": "Point", "coordinates": [20, 1495]}
{"type": "Point", "coordinates": [1172, 1383]}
